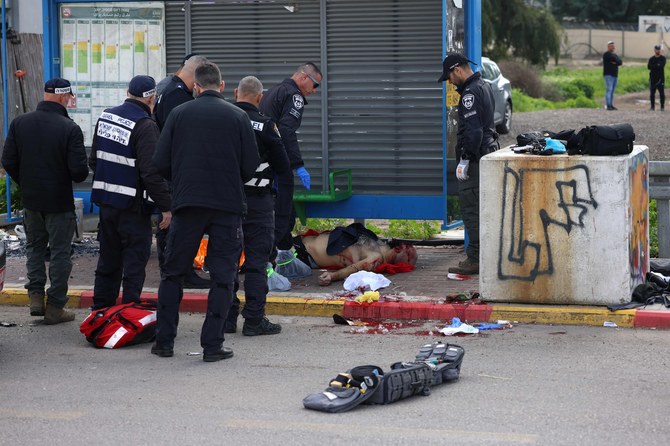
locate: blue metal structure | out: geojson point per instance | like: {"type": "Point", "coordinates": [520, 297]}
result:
{"type": "Point", "coordinates": [360, 206]}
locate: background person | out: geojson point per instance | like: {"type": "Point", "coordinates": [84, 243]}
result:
{"type": "Point", "coordinates": [160, 86]}
{"type": "Point", "coordinates": [44, 153]}
{"type": "Point", "coordinates": [177, 92]}
{"type": "Point", "coordinates": [125, 187]}
{"type": "Point", "coordinates": [258, 224]}
{"type": "Point", "coordinates": [207, 150]}
{"type": "Point", "coordinates": [611, 63]}
{"type": "Point", "coordinates": [476, 138]}
{"type": "Point", "coordinates": [656, 67]}
{"type": "Point", "coordinates": [284, 104]}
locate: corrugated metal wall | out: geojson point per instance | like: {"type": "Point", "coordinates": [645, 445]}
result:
{"type": "Point", "coordinates": [382, 59]}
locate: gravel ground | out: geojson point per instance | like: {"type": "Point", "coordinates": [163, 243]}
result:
{"type": "Point", "coordinates": [651, 128]}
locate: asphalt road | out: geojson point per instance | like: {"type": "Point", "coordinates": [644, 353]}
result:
{"type": "Point", "coordinates": [545, 385]}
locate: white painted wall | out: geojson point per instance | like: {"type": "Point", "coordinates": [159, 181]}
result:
{"type": "Point", "coordinates": [26, 15]}
{"type": "Point", "coordinates": [563, 229]}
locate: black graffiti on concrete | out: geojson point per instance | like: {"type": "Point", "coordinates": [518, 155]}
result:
{"type": "Point", "coordinates": [518, 257]}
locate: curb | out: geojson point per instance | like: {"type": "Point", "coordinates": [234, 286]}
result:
{"type": "Point", "coordinates": [318, 304]}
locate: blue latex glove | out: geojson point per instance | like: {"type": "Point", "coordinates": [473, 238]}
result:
{"type": "Point", "coordinates": [303, 175]}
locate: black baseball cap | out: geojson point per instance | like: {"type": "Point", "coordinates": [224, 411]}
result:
{"type": "Point", "coordinates": [58, 85]}
{"type": "Point", "coordinates": [657, 47]}
{"type": "Point", "coordinates": [142, 86]}
{"type": "Point", "coordinates": [450, 62]}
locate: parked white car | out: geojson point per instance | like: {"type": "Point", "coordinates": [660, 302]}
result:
{"type": "Point", "coordinates": [502, 93]}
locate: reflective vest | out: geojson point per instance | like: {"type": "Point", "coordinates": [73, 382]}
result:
{"type": "Point", "coordinates": [116, 181]}
{"type": "Point", "coordinates": [262, 180]}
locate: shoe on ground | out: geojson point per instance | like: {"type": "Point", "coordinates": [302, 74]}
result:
{"type": "Point", "coordinates": [54, 315]}
{"type": "Point", "coordinates": [257, 327]}
{"type": "Point", "coordinates": [230, 327]}
{"type": "Point", "coordinates": [193, 280]}
{"type": "Point", "coordinates": [161, 351]}
{"type": "Point", "coordinates": [224, 353]}
{"type": "Point", "coordinates": [652, 109]}
{"type": "Point", "coordinates": [467, 267]}
{"type": "Point", "coordinates": [37, 306]}
{"type": "Point", "coordinates": [613, 108]}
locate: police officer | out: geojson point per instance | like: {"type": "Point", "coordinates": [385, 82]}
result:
{"type": "Point", "coordinates": [284, 104]}
{"type": "Point", "coordinates": [207, 151]}
{"type": "Point", "coordinates": [125, 187]}
{"type": "Point", "coordinates": [656, 67]}
{"type": "Point", "coordinates": [178, 91]}
{"type": "Point", "coordinates": [258, 224]}
{"type": "Point", "coordinates": [476, 138]}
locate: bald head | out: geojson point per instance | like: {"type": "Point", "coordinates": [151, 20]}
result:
{"type": "Point", "coordinates": [187, 73]}
{"type": "Point", "coordinates": [250, 90]}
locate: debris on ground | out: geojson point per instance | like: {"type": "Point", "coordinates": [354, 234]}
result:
{"type": "Point", "coordinates": [462, 297]}
{"type": "Point", "coordinates": [457, 326]}
{"type": "Point", "coordinates": [15, 244]}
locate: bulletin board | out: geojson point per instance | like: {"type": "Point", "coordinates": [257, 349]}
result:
{"type": "Point", "coordinates": [102, 46]}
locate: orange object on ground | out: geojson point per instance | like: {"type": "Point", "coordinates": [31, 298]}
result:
{"type": "Point", "coordinates": [199, 260]}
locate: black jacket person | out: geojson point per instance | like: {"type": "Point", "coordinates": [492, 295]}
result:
{"type": "Point", "coordinates": [284, 104]}
{"type": "Point", "coordinates": [258, 224]}
{"type": "Point", "coordinates": [656, 67]}
{"type": "Point", "coordinates": [476, 138]}
{"type": "Point", "coordinates": [207, 150]}
{"type": "Point", "coordinates": [44, 153]}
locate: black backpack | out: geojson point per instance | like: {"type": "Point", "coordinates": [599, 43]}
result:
{"type": "Point", "coordinates": [603, 140]}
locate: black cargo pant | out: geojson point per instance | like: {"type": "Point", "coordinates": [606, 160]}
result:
{"type": "Point", "coordinates": [223, 253]}
{"type": "Point", "coordinates": [125, 247]}
{"type": "Point", "coordinates": [657, 84]}
{"type": "Point", "coordinates": [468, 198]}
{"type": "Point", "coordinates": [258, 228]}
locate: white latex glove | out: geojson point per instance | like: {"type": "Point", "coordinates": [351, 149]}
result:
{"type": "Point", "coordinates": [462, 170]}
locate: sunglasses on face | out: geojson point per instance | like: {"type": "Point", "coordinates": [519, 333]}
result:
{"type": "Point", "coordinates": [316, 83]}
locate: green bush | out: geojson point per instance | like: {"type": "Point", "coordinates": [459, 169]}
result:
{"type": "Point", "coordinates": [413, 229]}
{"type": "Point", "coordinates": [16, 196]}
{"type": "Point", "coordinates": [318, 224]}
{"type": "Point", "coordinates": [653, 229]}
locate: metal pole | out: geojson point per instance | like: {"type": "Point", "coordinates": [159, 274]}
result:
{"type": "Point", "coordinates": [187, 28]}
{"type": "Point", "coordinates": [324, 95]}
{"type": "Point", "coordinates": [5, 106]}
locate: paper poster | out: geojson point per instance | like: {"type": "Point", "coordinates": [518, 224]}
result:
{"type": "Point", "coordinates": [103, 45]}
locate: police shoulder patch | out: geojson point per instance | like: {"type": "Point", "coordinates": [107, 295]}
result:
{"type": "Point", "coordinates": [468, 100]}
{"type": "Point", "coordinates": [298, 101]}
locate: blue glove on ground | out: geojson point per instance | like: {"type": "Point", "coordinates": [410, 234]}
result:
{"type": "Point", "coordinates": [303, 175]}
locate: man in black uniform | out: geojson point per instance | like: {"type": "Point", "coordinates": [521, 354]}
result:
{"type": "Point", "coordinates": [656, 67]}
{"type": "Point", "coordinates": [178, 91]}
{"type": "Point", "coordinates": [44, 153]}
{"type": "Point", "coordinates": [258, 225]}
{"type": "Point", "coordinates": [476, 138]}
{"type": "Point", "coordinates": [284, 104]}
{"type": "Point", "coordinates": [126, 186]}
{"type": "Point", "coordinates": [207, 150]}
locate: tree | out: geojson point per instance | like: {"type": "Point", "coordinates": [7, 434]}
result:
{"type": "Point", "coordinates": [514, 28]}
{"type": "Point", "coordinates": [609, 10]}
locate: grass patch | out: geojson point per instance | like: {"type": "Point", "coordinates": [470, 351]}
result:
{"type": "Point", "coordinates": [577, 88]}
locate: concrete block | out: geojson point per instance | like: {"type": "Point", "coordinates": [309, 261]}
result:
{"type": "Point", "coordinates": [563, 229]}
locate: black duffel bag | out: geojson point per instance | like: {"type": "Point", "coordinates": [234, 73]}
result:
{"type": "Point", "coordinates": [604, 140]}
